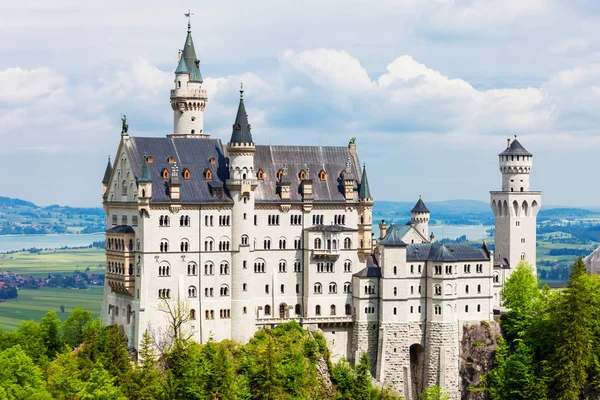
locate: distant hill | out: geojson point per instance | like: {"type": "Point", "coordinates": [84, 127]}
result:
{"type": "Point", "coordinates": [449, 212]}
{"type": "Point", "coordinates": [24, 217]}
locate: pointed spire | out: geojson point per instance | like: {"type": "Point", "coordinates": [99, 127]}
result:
{"type": "Point", "coordinates": [188, 54]}
{"type": "Point", "coordinates": [107, 172]}
{"type": "Point", "coordinates": [182, 67]}
{"type": "Point", "coordinates": [420, 206]}
{"type": "Point", "coordinates": [145, 175]}
{"type": "Point", "coordinates": [241, 128]}
{"type": "Point", "coordinates": [365, 192]}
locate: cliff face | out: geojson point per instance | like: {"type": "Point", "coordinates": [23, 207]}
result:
{"type": "Point", "coordinates": [477, 351]}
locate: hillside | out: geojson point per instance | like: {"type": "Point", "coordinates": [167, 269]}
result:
{"type": "Point", "coordinates": [23, 217]}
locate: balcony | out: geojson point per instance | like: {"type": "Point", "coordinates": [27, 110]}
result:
{"type": "Point", "coordinates": [338, 320]}
{"type": "Point", "coordinates": [328, 254]}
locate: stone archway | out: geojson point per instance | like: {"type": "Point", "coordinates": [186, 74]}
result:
{"type": "Point", "coordinates": [283, 310]}
{"type": "Point", "coordinates": [417, 360]}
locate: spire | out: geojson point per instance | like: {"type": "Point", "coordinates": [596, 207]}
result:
{"type": "Point", "coordinates": [182, 67]}
{"type": "Point", "coordinates": [420, 207]}
{"type": "Point", "coordinates": [188, 54]}
{"type": "Point", "coordinates": [145, 175]}
{"type": "Point", "coordinates": [241, 127]}
{"type": "Point", "coordinates": [365, 192]}
{"type": "Point", "coordinates": [107, 172]}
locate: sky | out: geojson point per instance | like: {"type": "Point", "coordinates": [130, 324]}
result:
{"type": "Point", "coordinates": [431, 89]}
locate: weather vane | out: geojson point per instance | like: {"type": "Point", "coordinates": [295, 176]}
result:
{"type": "Point", "coordinates": [189, 17]}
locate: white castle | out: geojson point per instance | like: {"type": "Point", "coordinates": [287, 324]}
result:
{"type": "Point", "coordinates": [250, 236]}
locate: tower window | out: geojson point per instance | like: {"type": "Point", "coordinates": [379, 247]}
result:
{"type": "Point", "coordinates": [186, 173]}
{"type": "Point", "coordinates": [179, 84]}
{"type": "Point", "coordinates": [260, 174]}
{"type": "Point", "coordinates": [322, 175]}
{"type": "Point", "coordinates": [193, 131]}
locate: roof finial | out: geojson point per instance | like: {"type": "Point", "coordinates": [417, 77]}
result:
{"type": "Point", "coordinates": [515, 136]}
{"type": "Point", "coordinates": [109, 158]}
{"type": "Point", "coordinates": [241, 90]}
{"type": "Point", "coordinates": [419, 197]}
{"type": "Point", "coordinates": [189, 17]}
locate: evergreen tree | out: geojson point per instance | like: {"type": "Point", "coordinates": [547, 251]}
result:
{"type": "Point", "coordinates": [363, 386]}
{"type": "Point", "coordinates": [100, 386]}
{"type": "Point", "coordinates": [50, 326]}
{"type": "Point", "coordinates": [72, 328]}
{"type": "Point", "coordinates": [224, 379]}
{"type": "Point", "coordinates": [30, 337]}
{"type": "Point", "coordinates": [494, 379]}
{"type": "Point", "coordinates": [573, 347]}
{"type": "Point", "coordinates": [520, 382]}
{"type": "Point", "coordinates": [342, 375]}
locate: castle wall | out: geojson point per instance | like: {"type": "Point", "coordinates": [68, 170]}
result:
{"type": "Point", "coordinates": [365, 339]}
{"type": "Point", "coordinates": [442, 357]}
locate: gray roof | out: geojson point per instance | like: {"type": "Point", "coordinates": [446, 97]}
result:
{"type": "Point", "coordinates": [330, 228]}
{"type": "Point", "coordinates": [372, 270]}
{"type": "Point", "coordinates": [445, 252]}
{"type": "Point", "coordinates": [192, 153]}
{"type": "Point", "coordinates": [394, 235]}
{"type": "Point", "coordinates": [145, 174]}
{"type": "Point", "coordinates": [241, 128]}
{"type": "Point", "coordinates": [365, 191]}
{"type": "Point", "coordinates": [121, 229]}
{"type": "Point", "coordinates": [107, 172]}
{"type": "Point", "coordinates": [515, 149]}
{"type": "Point", "coordinates": [420, 207]}
{"type": "Point", "coordinates": [191, 61]}
{"type": "Point", "coordinates": [311, 159]}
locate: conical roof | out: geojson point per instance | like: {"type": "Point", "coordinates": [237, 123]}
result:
{"type": "Point", "coordinates": [145, 175]}
{"type": "Point", "coordinates": [420, 207]}
{"type": "Point", "coordinates": [182, 67]}
{"type": "Point", "coordinates": [107, 172]}
{"type": "Point", "coordinates": [515, 149]}
{"type": "Point", "coordinates": [241, 127]}
{"type": "Point", "coordinates": [189, 56]}
{"type": "Point", "coordinates": [365, 191]}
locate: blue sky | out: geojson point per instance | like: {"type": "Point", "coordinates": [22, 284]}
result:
{"type": "Point", "coordinates": [430, 88]}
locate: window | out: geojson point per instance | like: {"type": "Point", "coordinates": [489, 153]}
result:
{"type": "Point", "coordinates": [478, 288]}
{"type": "Point", "coordinates": [208, 174]}
{"type": "Point", "coordinates": [466, 308]}
{"type": "Point", "coordinates": [448, 269]}
{"type": "Point", "coordinates": [259, 266]}
{"type": "Point", "coordinates": [224, 269]}
{"type": "Point", "coordinates": [347, 287]}
{"type": "Point", "coordinates": [348, 309]}
{"type": "Point", "coordinates": [164, 293]}
{"type": "Point", "coordinates": [517, 223]}
{"type": "Point", "coordinates": [395, 311]}
{"type": "Point", "coordinates": [438, 269]}
{"type": "Point", "coordinates": [273, 220]}
{"type": "Point", "coordinates": [282, 244]}
{"type": "Point", "coordinates": [339, 219]}
{"type": "Point", "coordinates": [244, 240]}
{"type": "Point", "coordinates": [192, 314]}
{"type": "Point", "coordinates": [164, 246]}
{"type": "Point", "coordinates": [164, 270]}
{"type": "Point", "coordinates": [297, 288]}
{"type": "Point", "coordinates": [318, 310]}
{"type": "Point", "coordinates": [208, 269]}
{"type": "Point", "coordinates": [295, 219]}
{"type": "Point", "coordinates": [479, 268]}
{"type": "Point", "coordinates": [347, 243]}
{"type": "Point", "coordinates": [298, 309]}
{"type": "Point", "coordinates": [184, 220]}
{"type": "Point", "coordinates": [302, 175]}
{"type": "Point", "coordinates": [260, 174]}
{"type": "Point", "coordinates": [332, 309]}
{"type": "Point", "coordinates": [224, 220]}
{"type": "Point", "coordinates": [256, 220]}
{"type": "Point", "coordinates": [395, 270]}
{"type": "Point", "coordinates": [496, 278]}
{"type": "Point", "coordinates": [412, 269]}
{"type": "Point", "coordinates": [279, 174]}
{"type": "Point", "coordinates": [224, 245]}
{"type": "Point", "coordinates": [370, 288]}
{"type": "Point", "coordinates": [478, 307]}
{"type": "Point", "coordinates": [212, 161]}
{"type": "Point", "coordinates": [412, 290]}
{"type": "Point", "coordinates": [411, 309]}
{"type": "Point", "coordinates": [164, 220]}
{"type": "Point", "coordinates": [317, 243]}
{"type": "Point", "coordinates": [318, 288]}
{"type": "Point", "coordinates": [347, 266]}
{"type": "Point", "coordinates": [522, 256]}
{"type": "Point", "coordinates": [332, 288]}
{"type": "Point", "coordinates": [267, 244]}
{"type": "Point", "coordinates": [395, 291]}
{"type": "Point", "coordinates": [244, 287]}
{"type": "Point", "coordinates": [466, 289]}
{"type": "Point", "coordinates": [317, 219]}
{"type": "Point", "coordinates": [150, 159]}
{"type": "Point", "coordinates": [225, 313]}
{"type": "Point", "coordinates": [192, 291]}
{"type": "Point", "coordinates": [184, 246]}
{"type": "Point", "coordinates": [297, 266]}
{"type": "Point", "coordinates": [267, 310]}
{"type": "Point", "coordinates": [467, 268]}
{"type": "Point", "coordinates": [522, 240]}
{"type": "Point", "coordinates": [208, 245]}
{"type": "Point", "coordinates": [186, 174]}
{"type": "Point", "coordinates": [437, 309]}
{"type": "Point", "coordinates": [224, 291]}
{"type": "Point", "coordinates": [165, 173]}
{"type": "Point", "coordinates": [266, 289]}
{"type": "Point", "coordinates": [322, 175]}
{"type": "Point", "coordinates": [282, 266]}
{"type": "Point", "coordinates": [124, 220]}
{"type": "Point", "coordinates": [370, 308]}
{"type": "Point", "coordinates": [437, 290]}
{"type": "Point", "coordinates": [297, 244]}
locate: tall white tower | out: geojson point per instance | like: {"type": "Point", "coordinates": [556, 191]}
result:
{"type": "Point", "coordinates": [515, 208]}
{"type": "Point", "coordinates": [188, 98]}
{"type": "Point", "coordinates": [419, 216]}
{"type": "Point", "coordinates": [241, 184]}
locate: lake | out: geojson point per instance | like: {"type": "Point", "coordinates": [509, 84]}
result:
{"type": "Point", "coordinates": [18, 242]}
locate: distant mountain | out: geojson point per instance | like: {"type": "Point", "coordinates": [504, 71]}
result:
{"type": "Point", "coordinates": [24, 217]}
{"type": "Point", "coordinates": [451, 212]}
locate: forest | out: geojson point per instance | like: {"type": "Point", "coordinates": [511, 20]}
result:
{"type": "Point", "coordinates": [551, 339]}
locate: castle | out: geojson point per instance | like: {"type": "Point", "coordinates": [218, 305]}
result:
{"type": "Point", "coordinates": [249, 236]}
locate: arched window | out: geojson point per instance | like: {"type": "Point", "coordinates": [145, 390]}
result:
{"type": "Point", "coordinates": [165, 173]}
{"type": "Point", "coordinates": [192, 270]}
{"type": "Point", "coordinates": [466, 308]}
{"type": "Point", "coordinates": [347, 243]}
{"type": "Point", "coordinates": [282, 266]}
{"type": "Point", "coordinates": [260, 174]}
{"type": "Point", "coordinates": [244, 240]}
{"type": "Point", "coordinates": [322, 175]}
{"type": "Point", "coordinates": [186, 174]}
{"type": "Point", "coordinates": [192, 291]}
{"type": "Point", "coordinates": [212, 160]}
{"type": "Point", "coordinates": [298, 309]}
{"type": "Point", "coordinates": [302, 175]}
{"type": "Point", "coordinates": [332, 287]}
{"type": "Point", "coordinates": [348, 309]}
{"type": "Point", "coordinates": [347, 287]}
{"type": "Point", "coordinates": [467, 289]}
{"type": "Point", "coordinates": [317, 243]}
{"type": "Point", "coordinates": [370, 308]}
{"type": "Point", "coordinates": [437, 309]}
{"type": "Point", "coordinates": [437, 290]}
{"type": "Point", "coordinates": [478, 288]}
{"type": "Point", "coordinates": [192, 314]}
{"type": "Point", "coordinates": [208, 174]}
{"type": "Point", "coordinates": [267, 310]}
{"type": "Point", "coordinates": [318, 289]}
{"type": "Point", "coordinates": [150, 159]}
{"type": "Point", "coordinates": [370, 288]}
{"type": "Point", "coordinates": [164, 246]}
{"type": "Point", "coordinates": [224, 291]}
{"type": "Point", "coordinates": [171, 160]}
{"type": "Point", "coordinates": [318, 310]}
{"type": "Point", "coordinates": [332, 309]}
{"type": "Point", "coordinates": [208, 269]}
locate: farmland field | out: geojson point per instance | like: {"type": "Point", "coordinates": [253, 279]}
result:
{"type": "Point", "coordinates": [35, 303]}
{"type": "Point", "coordinates": [53, 262]}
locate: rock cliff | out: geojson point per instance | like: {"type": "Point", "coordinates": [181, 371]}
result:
{"type": "Point", "coordinates": [477, 351]}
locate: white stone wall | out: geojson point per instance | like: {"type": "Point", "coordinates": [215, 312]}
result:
{"type": "Point", "coordinates": [442, 357]}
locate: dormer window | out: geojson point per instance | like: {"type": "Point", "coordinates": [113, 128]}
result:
{"type": "Point", "coordinates": [186, 174]}
{"type": "Point", "coordinates": [171, 160]}
{"type": "Point", "coordinates": [302, 175]}
{"type": "Point", "coordinates": [165, 173]}
{"type": "Point", "coordinates": [150, 159]}
{"type": "Point", "coordinates": [342, 174]}
{"type": "Point", "coordinates": [322, 175]}
{"type": "Point", "coordinates": [280, 174]}
{"type": "Point", "coordinates": [213, 161]}
{"type": "Point", "coordinates": [260, 175]}
{"type": "Point", "coordinates": [238, 127]}
{"type": "Point", "coordinates": [208, 174]}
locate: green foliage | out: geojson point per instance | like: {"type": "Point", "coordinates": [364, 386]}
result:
{"type": "Point", "coordinates": [520, 294]}
{"type": "Point", "coordinates": [20, 378]}
{"type": "Point", "coordinates": [362, 386]}
{"type": "Point", "coordinates": [100, 386]}
{"type": "Point", "coordinates": [72, 328]}
{"type": "Point", "coordinates": [434, 393]}
{"type": "Point", "coordinates": [343, 376]}
{"type": "Point", "coordinates": [50, 326]}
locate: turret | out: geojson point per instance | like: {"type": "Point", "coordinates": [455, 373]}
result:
{"type": "Point", "coordinates": [188, 98]}
{"type": "Point", "coordinates": [106, 179]}
{"type": "Point", "coordinates": [419, 216]}
{"type": "Point", "coordinates": [365, 216]}
{"type": "Point", "coordinates": [515, 166]}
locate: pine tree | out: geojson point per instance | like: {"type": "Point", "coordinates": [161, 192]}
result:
{"type": "Point", "coordinates": [100, 386]}
{"type": "Point", "coordinates": [362, 387]}
{"type": "Point", "coordinates": [224, 384]}
{"type": "Point", "coordinates": [494, 379]}
{"type": "Point", "coordinates": [53, 341]}
{"type": "Point", "coordinates": [573, 342]}
{"type": "Point", "coordinates": [145, 380]}
{"type": "Point", "coordinates": [520, 382]}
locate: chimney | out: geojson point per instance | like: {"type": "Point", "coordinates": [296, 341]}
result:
{"type": "Point", "coordinates": [382, 229]}
{"type": "Point", "coordinates": [431, 238]}
{"type": "Point", "coordinates": [174, 184]}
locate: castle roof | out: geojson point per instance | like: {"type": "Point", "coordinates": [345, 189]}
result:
{"type": "Point", "coordinates": [420, 207]}
{"type": "Point", "coordinates": [121, 229]}
{"type": "Point", "coordinates": [445, 252]}
{"type": "Point", "coordinates": [241, 128]}
{"type": "Point", "coordinates": [394, 235]}
{"type": "Point", "coordinates": [145, 174]}
{"type": "Point", "coordinates": [107, 172]}
{"type": "Point", "coordinates": [195, 154]}
{"type": "Point", "coordinates": [182, 67]}
{"type": "Point", "coordinates": [515, 149]}
{"type": "Point", "coordinates": [372, 270]}
{"type": "Point", "coordinates": [189, 56]}
{"type": "Point", "coordinates": [365, 192]}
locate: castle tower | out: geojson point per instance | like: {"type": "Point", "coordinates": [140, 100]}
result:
{"type": "Point", "coordinates": [419, 216]}
{"type": "Point", "coordinates": [515, 208]}
{"type": "Point", "coordinates": [365, 216]}
{"type": "Point", "coordinates": [106, 179]}
{"type": "Point", "coordinates": [241, 184]}
{"type": "Point", "coordinates": [188, 98]}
